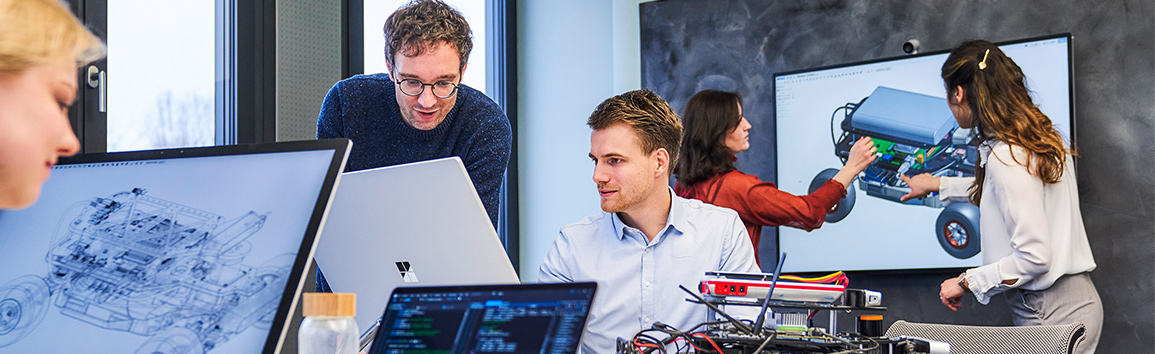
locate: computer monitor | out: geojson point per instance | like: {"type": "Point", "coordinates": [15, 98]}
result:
{"type": "Point", "coordinates": [198, 250]}
{"type": "Point", "coordinates": [518, 318]}
{"type": "Point", "coordinates": [900, 103]}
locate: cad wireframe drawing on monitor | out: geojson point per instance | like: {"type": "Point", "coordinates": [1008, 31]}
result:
{"type": "Point", "coordinates": [900, 103]}
{"type": "Point", "coordinates": [176, 251]}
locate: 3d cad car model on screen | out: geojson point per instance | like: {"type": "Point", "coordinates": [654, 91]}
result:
{"type": "Point", "coordinates": [138, 264]}
{"type": "Point", "coordinates": [914, 134]}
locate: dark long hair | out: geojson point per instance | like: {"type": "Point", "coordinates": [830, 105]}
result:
{"type": "Point", "coordinates": [1002, 109]}
{"type": "Point", "coordinates": [708, 117]}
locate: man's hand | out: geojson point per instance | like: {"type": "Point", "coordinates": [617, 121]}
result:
{"type": "Point", "coordinates": [920, 185]}
{"type": "Point", "coordinates": [861, 156]}
{"type": "Point", "coordinates": [950, 293]}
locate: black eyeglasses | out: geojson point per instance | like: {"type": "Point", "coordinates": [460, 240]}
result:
{"type": "Point", "coordinates": [413, 87]}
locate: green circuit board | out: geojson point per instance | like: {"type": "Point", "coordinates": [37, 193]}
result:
{"type": "Point", "coordinates": [894, 154]}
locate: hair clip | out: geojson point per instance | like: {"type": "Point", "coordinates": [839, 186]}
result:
{"type": "Point", "coordinates": [983, 64]}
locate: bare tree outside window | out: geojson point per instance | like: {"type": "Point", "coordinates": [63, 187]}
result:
{"type": "Point", "coordinates": [179, 120]}
{"type": "Point", "coordinates": [161, 74]}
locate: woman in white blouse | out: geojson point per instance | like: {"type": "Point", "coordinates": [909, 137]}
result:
{"type": "Point", "coordinates": [1034, 246]}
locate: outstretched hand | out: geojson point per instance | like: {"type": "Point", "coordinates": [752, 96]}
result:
{"type": "Point", "coordinates": [861, 156]}
{"type": "Point", "coordinates": [920, 185]}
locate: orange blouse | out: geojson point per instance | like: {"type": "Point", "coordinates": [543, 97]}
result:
{"type": "Point", "coordinates": [761, 203]}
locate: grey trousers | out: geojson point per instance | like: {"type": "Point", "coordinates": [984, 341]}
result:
{"type": "Point", "coordinates": [1071, 299]}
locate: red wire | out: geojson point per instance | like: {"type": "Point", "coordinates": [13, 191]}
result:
{"type": "Point", "coordinates": [708, 340]}
{"type": "Point", "coordinates": [647, 345]}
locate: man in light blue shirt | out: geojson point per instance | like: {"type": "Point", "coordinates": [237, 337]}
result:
{"type": "Point", "coordinates": [647, 241]}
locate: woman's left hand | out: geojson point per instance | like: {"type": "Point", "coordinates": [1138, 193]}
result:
{"type": "Point", "coordinates": [950, 293]}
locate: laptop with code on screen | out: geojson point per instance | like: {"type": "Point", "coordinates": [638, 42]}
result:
{"type": "Point", "coordinates": [197, 250]}
{"type": "Point", "coordinates": [516, 318]}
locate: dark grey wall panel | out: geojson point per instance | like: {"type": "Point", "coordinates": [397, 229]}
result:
{"type": "Point", "coordinates": [689, 45]}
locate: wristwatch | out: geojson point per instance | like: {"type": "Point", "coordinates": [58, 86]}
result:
{"type": "Point", "coordinates": [962, 282]}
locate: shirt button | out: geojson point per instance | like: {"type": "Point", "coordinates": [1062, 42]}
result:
{"type": "Point", "coordinates": [647, 284]}
{"type": "Point", "coordinates": [647, 320]}
{"type": "Point", "coordinates": [647, 250]}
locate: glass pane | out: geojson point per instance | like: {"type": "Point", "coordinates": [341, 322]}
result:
{"type": "Point", "coordinates": [160, 74]}
{"type": "Point", "coordinates": [376, 11]}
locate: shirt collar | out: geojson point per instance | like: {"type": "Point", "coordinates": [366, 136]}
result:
{"type": "Point", "coordinates": [985, 151]}
{"type": "Point", "coordinates": [676, 221]}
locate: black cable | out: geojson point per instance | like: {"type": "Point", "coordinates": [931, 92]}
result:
{"type": "Point", "coordinates": [847, 108]}
{"type": "Point", "coordinates": [833, 141]}
{"type": "Point", "coordinates": [640, 335]}
{"type": "Point", "coordinates": [673, 335]}
{"type": "Point", "coordinates": [766, 342]}
{"type": "Point", "coordinates": [737, 323]}
{"type": "Point", "coordinates": [859, 350]}
{"type": "Point", "coordinates": [849, 343]}
{"type": "Point", "coordinates": [707, 324]}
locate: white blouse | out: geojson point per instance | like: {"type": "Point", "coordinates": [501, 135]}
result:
{"type": "Point", "coordinates": [1030, 230]}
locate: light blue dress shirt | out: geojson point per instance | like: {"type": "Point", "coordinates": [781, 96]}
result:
{"type": "Point", "coordinates": [637, 279]}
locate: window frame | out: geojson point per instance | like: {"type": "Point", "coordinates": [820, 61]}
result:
{"type": "Point", "coordinates": [88, 123]}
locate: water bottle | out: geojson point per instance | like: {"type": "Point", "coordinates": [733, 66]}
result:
{"type": "Point", "coordinates": [328, 327]}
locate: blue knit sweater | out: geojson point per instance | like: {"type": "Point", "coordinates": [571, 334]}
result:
{"type": "Point", "coordinates": [364, 109]}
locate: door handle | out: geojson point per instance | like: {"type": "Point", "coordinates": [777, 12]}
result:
{"type": "Point", "coordinates": [96, 80]}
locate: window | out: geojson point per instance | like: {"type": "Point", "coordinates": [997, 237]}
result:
{"type": "Point", "coordinates": [160, 79]}
{"type": "Point", "coordinates": [177, 74]}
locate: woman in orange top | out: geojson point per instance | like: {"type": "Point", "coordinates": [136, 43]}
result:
{"type": "Point", "coordinates": [715, 131]}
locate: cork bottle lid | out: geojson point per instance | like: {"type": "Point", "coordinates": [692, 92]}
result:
{"type": "Point", "coordinates": [330, 304]}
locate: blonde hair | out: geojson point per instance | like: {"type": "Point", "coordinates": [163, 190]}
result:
{"type": "Point", "coordinates": [35, 32]}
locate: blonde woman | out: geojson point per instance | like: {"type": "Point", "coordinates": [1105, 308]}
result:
{"type": "Point", "coordinates": [41, 47]}
{"type": "Point", "coordinates": [1035, 248]}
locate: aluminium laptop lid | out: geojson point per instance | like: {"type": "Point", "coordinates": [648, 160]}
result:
{"type": "Point", "coordinates": [517, 318]}
{"type": "Point", "coordinates": [415, 224]}
{"type": "Point", "coordinates": [197, 250]}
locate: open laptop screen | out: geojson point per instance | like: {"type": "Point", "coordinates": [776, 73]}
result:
{"type": "Point", "coordinates": [175, 251]}
{"type": "Point", "coordinates": [416, 224]}
{"type": "Point", "coordinates": [520, 318]}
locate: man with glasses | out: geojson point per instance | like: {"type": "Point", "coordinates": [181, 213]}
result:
{"type": "Point", "coordinates": [420, 110]}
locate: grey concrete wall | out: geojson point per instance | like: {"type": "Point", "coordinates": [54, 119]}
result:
{"type": "Point", "coordinates": [738, 45]}
{"type": "Point", "coordinates": [308, 63]}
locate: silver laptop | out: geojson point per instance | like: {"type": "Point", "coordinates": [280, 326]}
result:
{"type": "Point", "coordinates": [417, 224]}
